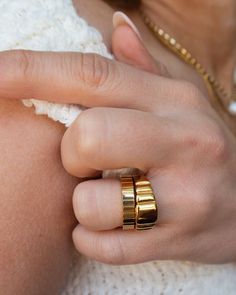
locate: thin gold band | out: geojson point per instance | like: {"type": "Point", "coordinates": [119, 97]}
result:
{"type": "Point", "coordinates": [129, 202]}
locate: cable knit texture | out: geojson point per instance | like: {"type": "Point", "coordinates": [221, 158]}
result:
{"type": "Point", "coordinates": [53, 25]}
{"type": "Point", "coordinates": [48, 25]}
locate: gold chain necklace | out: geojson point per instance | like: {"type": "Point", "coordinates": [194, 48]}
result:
{"type": "Point", "coordinates": [212, 84]}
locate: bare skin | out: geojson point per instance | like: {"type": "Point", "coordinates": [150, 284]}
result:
{"type": "Point", "coordinates": [211, 39]}
{"type": "Point", "coordinates": [17, 214]}
{"type": "Point", "coordinates": [215, 51]}
{"type": "Point", "coordinates": [36, 216]}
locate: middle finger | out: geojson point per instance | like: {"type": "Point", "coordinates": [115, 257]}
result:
{"type": "Point", "coordinates": [106, 138]}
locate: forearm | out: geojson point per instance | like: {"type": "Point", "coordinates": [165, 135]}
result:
{"type": "Point", "coordinates": [36, 217]}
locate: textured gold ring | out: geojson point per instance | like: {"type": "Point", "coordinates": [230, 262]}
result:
{"type": "Point", "coordinates": [140, 209]}
{"type": "Point", "coordinates": [146, 209]}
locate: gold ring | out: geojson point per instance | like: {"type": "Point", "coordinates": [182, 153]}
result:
{"type": "Point", "coordinates": [146, 209]}
{"type": "Point", "coordinates": [128, 194]}
{"type": "Point", "coordinates": [140, 209]}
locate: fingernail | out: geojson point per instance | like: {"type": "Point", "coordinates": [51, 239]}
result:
{"type": "Point", "coordinates": [120, 18]}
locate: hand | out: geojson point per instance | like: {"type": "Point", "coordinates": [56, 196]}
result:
{"type": "Point", "coordinates": [138, 119]}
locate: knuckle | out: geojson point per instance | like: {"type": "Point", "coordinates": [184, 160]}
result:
{"type": "Point", "coordinates": [214, 143]}
{"type": "Point", "coordinates": [25, 63]}
{"type": "Point", "coordinates": [209, 139]}
{"type": "Point", "coordinates": [67, 158]}
{"type": "Point", "coordinates": [89, 130]}
{"type": "Point", "coordinates": [111, 250]}
{"type": "Point", "coordinates": [16, 64]}
{"type": "Point", "coordinates": [69, 165]}
{"type": "Point", "coordinates": [218, 146]}
{"type": "Point", "coordinates": [190, 94]}
{"type": "Point", "coordinates": [94, 71]}
{"type": "Point", "coordinates": [86, 137]}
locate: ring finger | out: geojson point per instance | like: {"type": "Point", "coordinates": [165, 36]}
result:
{"type": "Point", "coordinates": [98, 204]}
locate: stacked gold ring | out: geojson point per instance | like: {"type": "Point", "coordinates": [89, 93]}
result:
{"type": "Point", "coordinates": [140, 210]}
{"type": "Point", "coordinates": [129, 202]}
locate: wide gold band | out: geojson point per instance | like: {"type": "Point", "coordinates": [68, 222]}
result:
{"type": "Point", "coordinates": [146, 206]}
{"type": "Point", "coordinates": [140, 210]}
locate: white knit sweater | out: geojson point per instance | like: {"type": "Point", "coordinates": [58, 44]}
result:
{"type": "Point", "coordinates": [54, 26]}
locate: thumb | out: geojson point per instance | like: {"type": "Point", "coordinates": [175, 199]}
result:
{"type": "Point", "coordinates": [128, 47]}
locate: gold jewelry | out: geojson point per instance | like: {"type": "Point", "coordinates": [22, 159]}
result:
{"type": "Point", "coordinates": [139, 204]}
{"type": "Point", "coordinates": [213, 85]}
{"type": "Point", "coordinates": [146, 206]}
{"type": "Point", "coordinates": [129, 202]}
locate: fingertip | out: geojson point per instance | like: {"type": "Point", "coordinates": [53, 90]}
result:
{"type": "Point", "coordinates": [75, 202]}
{"type": "Point", "coordinates": [71, 154]}
{"type": "Point", "coordinates": [129, 48]}
{"type": "Point", "coordinates": [67, 153]}
{"type": "Point", "coordinates": [77, 234]}
{"type": "Point", "coordinates": [119, 18]}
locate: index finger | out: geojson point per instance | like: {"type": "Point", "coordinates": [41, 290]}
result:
{"type": "Point", "coordinates": [86, 79]}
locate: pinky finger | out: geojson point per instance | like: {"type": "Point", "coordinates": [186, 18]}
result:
{"type": "Point", "coordinates": [125, 247]}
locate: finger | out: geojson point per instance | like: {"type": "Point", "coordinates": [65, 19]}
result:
{"type": "Point", "coordinates": [128, 48]}
{"type": "Point", "coordinates": [98, 204]}
{"type": "Point", "coordinates": [86, 79]}
{"type": "Point", "coordinates": [128, 247]}
{"type": "Point", "coordinates": [107, 138]}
